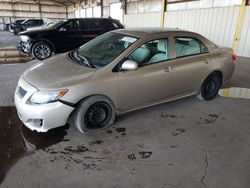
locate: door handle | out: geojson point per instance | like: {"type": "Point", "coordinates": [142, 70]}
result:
{"type": "Point", "coordinates": [168, 69]}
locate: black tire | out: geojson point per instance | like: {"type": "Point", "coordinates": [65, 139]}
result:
{"type": "Point", "coordinates": [210, 87]}
{"type": "Point", "coordinates": [94, 113]}
{"type": "Point", "coordinates": [41, 50]}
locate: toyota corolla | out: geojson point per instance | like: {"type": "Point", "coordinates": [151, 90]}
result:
{"type": "Point", "coordinates": [120, 71]}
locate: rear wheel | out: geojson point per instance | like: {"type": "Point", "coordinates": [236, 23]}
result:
{"type": "Point", "coordinates": [41, 50]}
{"type": "Point", "coordinates": [210, 87]}
{"type": "Point", "coordinates": [94, 113]}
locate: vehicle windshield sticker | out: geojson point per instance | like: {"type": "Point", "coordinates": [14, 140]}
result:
{"type": "Point", "coordinates": [129, 39]}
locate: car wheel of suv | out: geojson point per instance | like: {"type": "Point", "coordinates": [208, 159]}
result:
{"type": "Point", "coordinates": [210, 87]}
{"type": "Point", "coordinates": [41, 50]}
{"type": "Point", "coordinates": [94, 113]}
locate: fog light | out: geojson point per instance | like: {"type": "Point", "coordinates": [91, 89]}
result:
{"type": "Point", "coordinates": [35, 122]}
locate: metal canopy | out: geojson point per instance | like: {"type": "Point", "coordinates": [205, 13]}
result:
{"type": "Point", "coordinates": [44, 2]}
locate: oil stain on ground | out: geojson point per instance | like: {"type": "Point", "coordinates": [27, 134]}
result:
{"type": "Point", "coordinates": [142, 155]}
{"type": "Point", "coordinates": [209, 119]}
{"type": "Point", "coordinates": [178, 131]}
{"type": "Point", "coordinates": [17, 141]}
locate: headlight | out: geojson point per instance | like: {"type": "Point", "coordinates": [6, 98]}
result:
{"type": "Point", "coordinates": [24, 38]}
{"type": "Point", "coordinates": [41, 97]}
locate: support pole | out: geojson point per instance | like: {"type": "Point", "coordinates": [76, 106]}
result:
{"type": "Point", "coordinates": [66, 10]}
{"type": "Point", "coordinates": [163, 9]}
{"type": "Point", "coordinates": [12, 8]}
{"type": "Point", "coordinates": [40, 9]}
{"type": "Point", "coordinates": [239, 25]}
{"type": "Point", "coordinates": [101, 4]}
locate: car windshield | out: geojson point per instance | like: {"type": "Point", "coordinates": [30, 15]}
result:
{"type": "Point", "coordinates": [104, 49]}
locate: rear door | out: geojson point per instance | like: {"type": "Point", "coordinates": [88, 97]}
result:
{"type": "Point", "coordinates": [191, 64]}
{"type": "Point", "coordinates": [89, 29]}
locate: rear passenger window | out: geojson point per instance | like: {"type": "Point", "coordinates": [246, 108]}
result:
{"type": "Point", "coordinates": [186, 46]}
{"type": "Point", "coordinates": [90, 24]}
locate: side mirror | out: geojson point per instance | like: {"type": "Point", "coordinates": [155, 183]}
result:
{"type": "Point", "coordinates": [62, 29]}
{"type": "Point", "coordinates": [129, 65]}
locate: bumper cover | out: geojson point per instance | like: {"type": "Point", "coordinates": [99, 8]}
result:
{"type": "Point", "coordinates": [39, 117]}
{"type": "Point", "coordinates": [25, 47]}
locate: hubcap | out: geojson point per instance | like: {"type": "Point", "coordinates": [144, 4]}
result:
{"type": "Point", "coordinates": [42, 51]}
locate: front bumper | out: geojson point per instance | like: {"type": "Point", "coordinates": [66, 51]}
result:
{"type": "Point", "coordinates": [24, 46]}
{"type": "Point", "coordinates": [39, 117]}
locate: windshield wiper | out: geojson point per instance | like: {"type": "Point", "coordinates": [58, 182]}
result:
{"type": "Point", "coordinates": [84, 60]}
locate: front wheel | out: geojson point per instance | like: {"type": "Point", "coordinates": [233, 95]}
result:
{"type": "Point", "coordinates": [94, 113]}
{"type": "Point", "coordinates": [210, 87]}
{"type": "Point", "coordinates": [41, 51]}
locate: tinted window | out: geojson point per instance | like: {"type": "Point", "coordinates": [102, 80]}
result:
{"type": "Point", "coordinates": [71, 25]}
{"type": "Point", "coordinates": [89, 24]}
{"type": "Point", "coordinates": [39, 21]}
{"type": "Point", "coordinates": [18, 21]}
{"type": "Point", "coordinates": [186, 46]}
{"type": "Point", "coordinates": [116, 24]}
{"type": "Point", "coordinates": [29, 22]}
{"type": "Point", "coordinates": [151, 52]}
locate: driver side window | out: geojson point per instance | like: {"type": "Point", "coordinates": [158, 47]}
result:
{"type": "Point", "coordinates": [71, 25]}
{"type": "Point", "coordinates": [151, 52]}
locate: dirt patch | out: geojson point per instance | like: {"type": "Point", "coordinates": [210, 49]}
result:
{"type": "Point", "coordinates": [97, 142]}
{"type": "Point", "coordinates": [178, 131]}
{"type": "Point", "coordinates": [209, 119]}
{"type": "Point", "coordinates": [120, 129]}
{"type": "Point", "coordinates": [145, 154]}
{"type": "Point", "coordinates": [132, 157]}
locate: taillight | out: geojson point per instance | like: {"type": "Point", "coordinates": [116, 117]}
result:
{"type": "Point", "coordinates": [234, 56]}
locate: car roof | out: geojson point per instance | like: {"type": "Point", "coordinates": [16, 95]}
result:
{"type": "Point", "coordinates": [147, 33]}
{"type": "Point", "coordinates": [89, 19]}
{"type": "Point", "coordinates": [144, 32]}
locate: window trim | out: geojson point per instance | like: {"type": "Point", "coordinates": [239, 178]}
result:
{"type": "Point", "coordinates": [191, 37]}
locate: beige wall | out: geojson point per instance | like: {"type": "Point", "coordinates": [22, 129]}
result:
{"type": "Point", "coordinates": [217, 24]}
{"type": "Point", "coordinates": [29, 9]}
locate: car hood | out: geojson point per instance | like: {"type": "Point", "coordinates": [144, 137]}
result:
{"type": "Point", "coordinates": [37, 32]}
{"type": "Point", "coordinates": [57, 72]}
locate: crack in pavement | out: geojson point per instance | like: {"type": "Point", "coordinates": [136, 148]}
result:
{"type": "Point", "coordinates": [206, 157]}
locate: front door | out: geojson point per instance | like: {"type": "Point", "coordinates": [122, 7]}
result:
{"type": "Point", "coordinates": [68, 37]}
{"type": "Point", "coordinates": [152, 81]}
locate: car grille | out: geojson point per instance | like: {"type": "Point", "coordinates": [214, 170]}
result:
{"type": "Point", "coordinates": [22, 92]}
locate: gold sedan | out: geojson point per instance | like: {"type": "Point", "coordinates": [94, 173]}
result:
{"type": "Point", "coordinates": [121, 71]}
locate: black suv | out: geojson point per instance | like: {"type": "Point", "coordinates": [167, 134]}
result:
{"type": "Point", "coordinates": [10, 27]}
{"type": "Point", "coordinates": [65, 35]}
{"type": "Point", "coordinates": [27, 24]}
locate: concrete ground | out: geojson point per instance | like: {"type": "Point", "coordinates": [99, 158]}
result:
{"type": "Point", "coordinates": [8, 39]}
{"type": "Point", "coordinates": [186, 143]}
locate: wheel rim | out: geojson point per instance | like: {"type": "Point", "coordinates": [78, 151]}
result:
{"type": "Point", "coordinates": [97, 115]}
{"type": "Point", "coordinates": [42, 51]}
{"type": "Point", "coordinates": [211, 88]}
